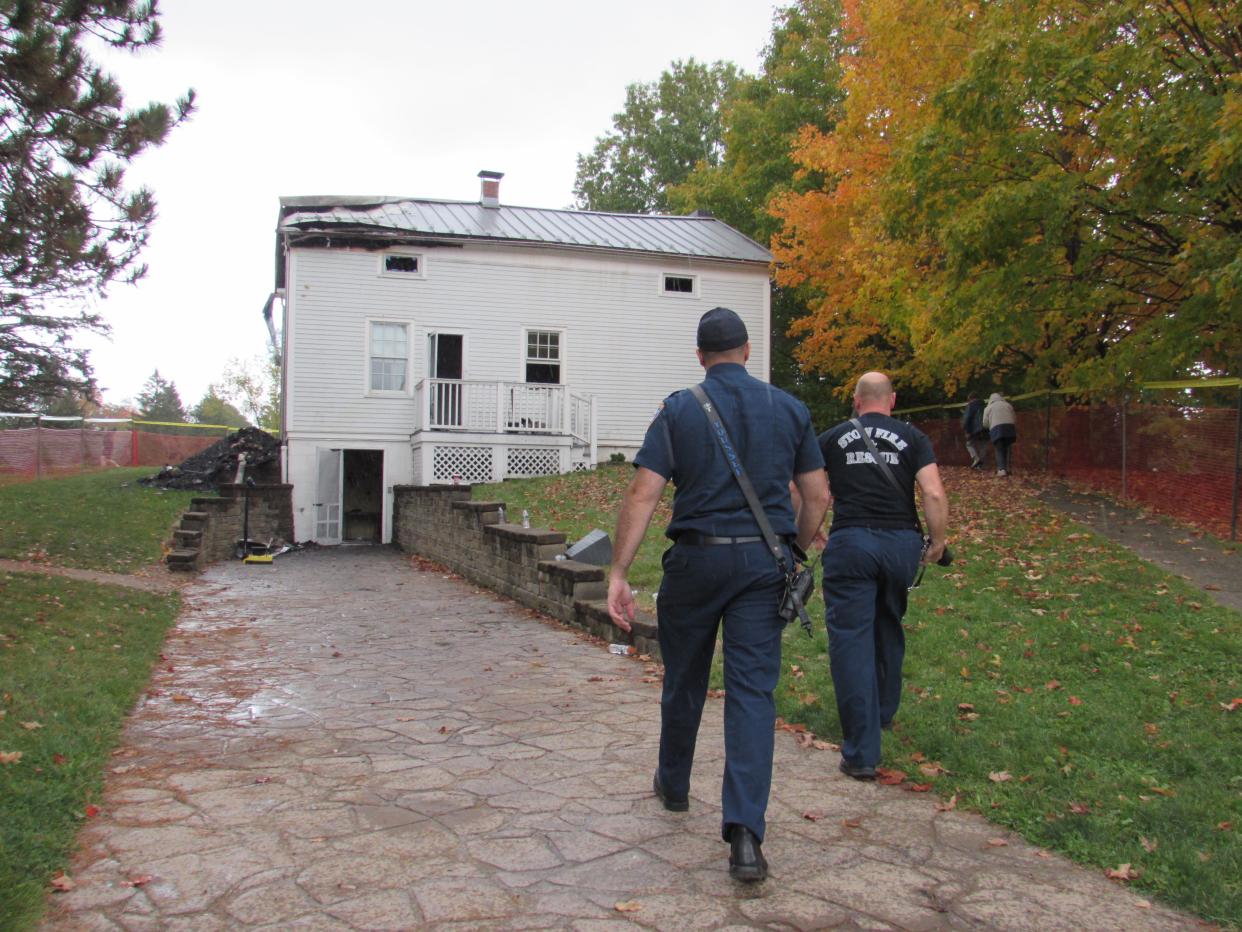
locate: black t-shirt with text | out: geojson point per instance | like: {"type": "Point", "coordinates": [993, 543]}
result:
{"type": "Point", "coordinates": [862, 497]}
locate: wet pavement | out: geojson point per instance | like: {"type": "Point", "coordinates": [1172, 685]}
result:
{"type": "Point", "coordinates": [342, 741]}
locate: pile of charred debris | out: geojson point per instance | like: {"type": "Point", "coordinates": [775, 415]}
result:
{"type": "Point", "coordinates": [217, 465]}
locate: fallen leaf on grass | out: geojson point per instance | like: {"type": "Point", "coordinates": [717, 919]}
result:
{"type": "Point", "coordinates": [628, 906]}
{"type": "Point", "coordinates": [1074, 700]}
{"type": "Point", "coordinates": [10, 757]}
{"type": "Point", "coordinates": [31, 726]}
{"type": "Point", "coordinates": [1123, 872]}
{"type": "Point", "coordinates": [1232, 705]}
{"type": "Point", "coordinates": [1000, 776]}
{"type": "Point", "coordinates": [886, 777]}
{"type": "Point", "coordinates": [62, 883]}
{"type": "Point", "coordinates": [1079, 808]}
{"type": "Point", "coordinates": [919, 787]}
{"type": "Point", "coordinates": [932, 769]}
{"type": "Point", "coordinates": [1163, 791]}
{"type": "Point", "coordinates": [1149, 844]}
{"type": "Point", "coordinates": [947, 805]}
{"type": "Point", "coordinates": [1052, 684]}
{"type": "Point", "coordinates": [1224, 826]}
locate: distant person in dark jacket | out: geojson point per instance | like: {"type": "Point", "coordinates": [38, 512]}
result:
{"type": "Point", "coordinates": [976, 434]}
{"type": "Point", "coordinates": [999, 419]}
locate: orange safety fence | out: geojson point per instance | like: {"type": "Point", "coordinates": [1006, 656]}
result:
{"type": "Point", "coordinates": [1179, 459]}
{"type": "Point", "coordinates": [37, 452]}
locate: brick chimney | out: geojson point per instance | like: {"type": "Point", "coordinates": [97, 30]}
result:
{"type": "Point", "coordinates": [489, 194]}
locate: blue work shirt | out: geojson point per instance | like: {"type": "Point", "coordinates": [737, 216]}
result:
{"type": "Point", "coordinates": [771, 431]}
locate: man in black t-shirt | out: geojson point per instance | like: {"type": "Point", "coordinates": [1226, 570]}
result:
{"type": "Point", "coordinates": [873, 552]}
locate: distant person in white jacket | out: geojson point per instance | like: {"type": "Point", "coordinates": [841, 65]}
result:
{"type": "Point", "coordinates": [998, 419]}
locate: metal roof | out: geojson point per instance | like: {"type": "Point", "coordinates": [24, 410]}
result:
{"type": "Point", "coordinates": [391, 217]}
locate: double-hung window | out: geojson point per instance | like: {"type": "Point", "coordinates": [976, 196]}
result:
{"type": "Point", "coordinates": [543, 356]}
{"type": "Point", "coordinates": [390, 356]}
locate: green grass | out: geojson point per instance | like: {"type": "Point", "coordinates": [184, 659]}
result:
{"type": "Point", "coordinates": [100, 521]}
{"type": "Point", "coordinates": [1097, 683]}
{"type": "Point", "coordinates": [73, 659]}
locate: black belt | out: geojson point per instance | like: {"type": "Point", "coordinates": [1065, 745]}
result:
{"type": "Point", "coordinates": [695, 539]}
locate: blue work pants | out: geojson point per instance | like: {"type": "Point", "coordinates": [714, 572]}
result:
{"type": "Point", "coordinates": [867, 574]}
{"type": "Point", "coordinates": [703, 585]}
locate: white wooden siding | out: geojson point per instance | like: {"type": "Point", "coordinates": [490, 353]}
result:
{"type": "Point", "coordinates": [624, 341]}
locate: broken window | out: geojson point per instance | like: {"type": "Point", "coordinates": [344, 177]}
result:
{"type": "Point", "coordinates": [679, 284]}
{"type": "Point", "coordinates": [400, 264]}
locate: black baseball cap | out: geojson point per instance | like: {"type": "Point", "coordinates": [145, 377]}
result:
{"type": "Point", "coordinates": [721, 329]}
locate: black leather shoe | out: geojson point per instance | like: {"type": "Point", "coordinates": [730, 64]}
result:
{"type": "Point", "coordinates": [746, 861]}
{"type": "Point", "coordinates": [670, 803]}
{"type": "Point", "coordinates": [858, 773]}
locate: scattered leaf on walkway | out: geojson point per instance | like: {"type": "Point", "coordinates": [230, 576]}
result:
{"type": "Point", "coordinates": [137, 881]}
{"type": "Point", "coordinates": [1143, 904]}
{"type": "Point", "coordinates": [998, 842]}
{"type": "Point", "coordinates": [813, 815]}
{"type": "Point", "coordinates": [1000, 776]}
{"type": "Point", "coordinates": [947, 805]}
{"type": "Point", "coordinates": [62, 883]}
{"type": "Point", "coordinates": [919, 787]}
{"type": "Point", "coordinates": [262, 779]}
{"type": "Point", "coordinates": [91, 811]}
{"type": "Point", "coordinates": [628, 906]}
{"type": "Point", "coordinates": [852, 823]}
{"type": "Point", "coordinates": [825, 746]}
{"type": "Point", "coordinates": [444, 729]}
{"type": "Point", "coordinates": [180, 697]}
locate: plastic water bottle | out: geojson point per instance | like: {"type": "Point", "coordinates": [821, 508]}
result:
{"type": "Point", "coordinates": [501, 511]}
{"type": "Point", "coordinates": [525, 518]}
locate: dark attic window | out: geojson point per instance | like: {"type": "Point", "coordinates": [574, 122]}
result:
{"type": "Point", "coordinates": [407, 264]}
{"type": "Point", "coordinates": [679, 284]}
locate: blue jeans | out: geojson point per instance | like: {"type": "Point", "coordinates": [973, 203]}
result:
{"type": "Point", "coordinates": [867, 574]}
{"type": "Point", "coordinates": [740, 585]}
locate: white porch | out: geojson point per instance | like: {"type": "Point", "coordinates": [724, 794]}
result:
{"type": "Point", "coordinates": [484, 431]}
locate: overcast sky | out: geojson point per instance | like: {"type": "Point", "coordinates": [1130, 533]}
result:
{"type": "Point", "coordinates": [376, 97]}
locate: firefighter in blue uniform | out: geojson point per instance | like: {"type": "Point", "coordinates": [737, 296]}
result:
{"type": "Point", "coordinates": [719, 569]}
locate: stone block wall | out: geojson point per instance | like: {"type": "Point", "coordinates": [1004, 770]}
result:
{"type": "Point", "coordinates": [271, 517]}
{"type": "Point", "coordinates": [444, 524]}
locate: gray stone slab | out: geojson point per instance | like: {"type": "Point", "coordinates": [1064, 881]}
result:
{"type": "Point", "coordinates": [370, 746]}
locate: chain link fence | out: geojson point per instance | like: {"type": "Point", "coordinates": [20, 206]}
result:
{"type": "Point", "coordinates": [1175, 447]}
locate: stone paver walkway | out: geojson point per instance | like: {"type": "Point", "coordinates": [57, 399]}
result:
{"type": "Point", "coordinates": [340, 741]}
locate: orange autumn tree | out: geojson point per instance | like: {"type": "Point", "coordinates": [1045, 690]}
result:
{"type": "Point", "coordinates": [873, 291]}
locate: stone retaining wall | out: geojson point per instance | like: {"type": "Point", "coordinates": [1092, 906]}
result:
{"type": "Point", "coordinates": [271, 517]}
{"type": "Point", "coordinates": [444, 524]}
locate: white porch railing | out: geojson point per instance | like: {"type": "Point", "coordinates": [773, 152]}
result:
{"type": "Point", "coordinates": [503, 407]}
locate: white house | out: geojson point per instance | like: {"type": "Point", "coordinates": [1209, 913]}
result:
{"type": "Point", "coordinates": [442, 341]}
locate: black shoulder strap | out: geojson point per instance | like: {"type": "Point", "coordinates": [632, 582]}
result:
{"type": "Point", "coordinates": [739, 473]}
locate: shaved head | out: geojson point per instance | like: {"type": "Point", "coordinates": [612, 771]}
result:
{"type": "Point", "coordinates": [872, 388]}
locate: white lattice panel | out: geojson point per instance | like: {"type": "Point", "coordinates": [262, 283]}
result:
{"type": "Point", "coordinates": [533, 461]}
{"type": "Point", "coordinates": [467, 464]}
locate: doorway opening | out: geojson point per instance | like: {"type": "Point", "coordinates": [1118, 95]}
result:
{"type": "Point", "coordinates": [362, 495]}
